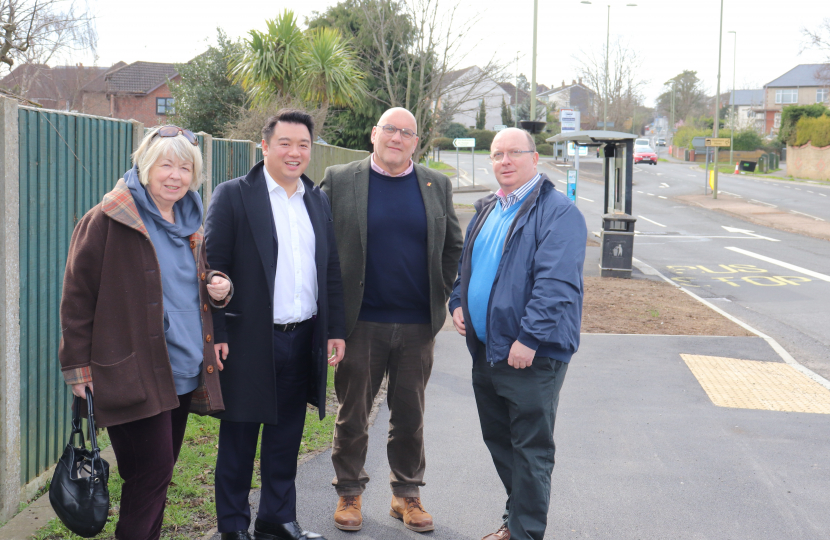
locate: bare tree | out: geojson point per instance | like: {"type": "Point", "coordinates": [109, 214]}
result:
{"type": "Point", "coordinates": [418, 60]}
{"type": "Point", "coordinates": [819, 39]}
{"type": "Point", "coordinates": [624, 85]}
{"type": "Point", "coordinates": [38, 31]}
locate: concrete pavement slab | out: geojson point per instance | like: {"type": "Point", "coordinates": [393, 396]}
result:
{"type": "Point", "coordinates": [642, 453]}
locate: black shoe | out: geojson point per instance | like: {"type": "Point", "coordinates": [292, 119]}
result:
{"type": "Point", "coordinates": [238, 535]}
{"type": "Point", "coordinates": [285, 531]}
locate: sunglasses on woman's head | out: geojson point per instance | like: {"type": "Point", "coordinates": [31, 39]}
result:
{"type": "Point", "coordinates": [173, 131]}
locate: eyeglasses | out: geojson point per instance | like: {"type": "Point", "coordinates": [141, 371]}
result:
{"type": "Point", "coordinates": [390, 130]}
{"type": "Point", "coordinates": [514, 154]}
{"type": "Point", "coordinates": [173, 131]}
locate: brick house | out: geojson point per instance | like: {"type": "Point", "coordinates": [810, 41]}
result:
{"type": "Point", "coordinates": [805, 84]}
{"type": "Point", "coordinates": [56, 87]}
{"type": "Point", "coordinates": [136, 91]}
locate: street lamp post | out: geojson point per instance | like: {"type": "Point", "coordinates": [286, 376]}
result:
{"type": "Point", "coordinates": [732, 99]}
{"type": "Point", "coordinates": [533, 69]}
{"type": "Point", "coordinates": [516, 108]}
{"type": "Point", "coordinates": [717, 103]}
{"type": "Point", "coordinates": [607, 46]}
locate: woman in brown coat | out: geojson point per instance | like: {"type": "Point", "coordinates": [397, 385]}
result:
{"type": "Point", "coordinates": [136, 319]}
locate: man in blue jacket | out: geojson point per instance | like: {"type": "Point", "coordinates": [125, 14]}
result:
{"type": "Point", "coordinates": [518, 301]}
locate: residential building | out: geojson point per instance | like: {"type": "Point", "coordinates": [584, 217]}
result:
{"type": "Point", "coordinates": [805, 84]}
{"type": "Point", "coordinates": [746, 104]}
{"type": "Point", "coordinates": [136, 91]}
{"type": "Point", "coordinates": [576, 96]}
{"type": "Point", "coordinates": [52, 87]}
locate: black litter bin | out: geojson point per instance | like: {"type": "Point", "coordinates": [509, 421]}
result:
{"type": "Point", "coordinates": [617, 243]}
{"type": "Point", "coordinates": [747, 166]}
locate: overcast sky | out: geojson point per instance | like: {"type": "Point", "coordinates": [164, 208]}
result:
{"type": "Point", "coordinates": [669, 35]}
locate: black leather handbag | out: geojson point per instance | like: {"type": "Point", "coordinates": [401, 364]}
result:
{"type": "Point", "coordinates": [79, 492]}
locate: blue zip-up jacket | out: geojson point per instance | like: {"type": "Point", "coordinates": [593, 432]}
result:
{"type": "Point", "coordinates": [537, 293]}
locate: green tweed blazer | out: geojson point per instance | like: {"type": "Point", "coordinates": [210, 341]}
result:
{"type": "Point", "coordinates": [347, 187]}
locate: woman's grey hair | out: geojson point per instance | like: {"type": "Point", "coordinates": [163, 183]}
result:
{"type": "Point", "coordinates": [154, 148]}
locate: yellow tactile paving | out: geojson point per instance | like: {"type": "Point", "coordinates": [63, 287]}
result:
{"type": "Point", "coordinates": [747, 384]}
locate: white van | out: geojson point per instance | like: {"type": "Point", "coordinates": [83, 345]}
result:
{"type": "Point", "coordinates": [641, 142]}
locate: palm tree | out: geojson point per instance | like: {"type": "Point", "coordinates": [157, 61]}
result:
{"type": "Point", "coordinates": [269, 63]}
{"type": "Point", "coordinates": [318, 66]}
{"type": "Point", "coordinates": [329, 74]}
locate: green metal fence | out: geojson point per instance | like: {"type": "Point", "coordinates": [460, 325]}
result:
{"type": "Point", "coordinates": [231, 159]}
{"type": "Point", "coordinates": [67, 163]}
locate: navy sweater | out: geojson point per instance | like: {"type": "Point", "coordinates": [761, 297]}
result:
{"type": "Point", "coordinates": [396, 288]}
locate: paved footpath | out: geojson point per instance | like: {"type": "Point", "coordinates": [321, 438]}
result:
{"type": "Point", "coordinates": [642, 453]}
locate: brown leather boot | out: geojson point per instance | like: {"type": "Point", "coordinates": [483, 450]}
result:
{"type": "Point", "coordinates": [347, 517]}
{"type": "Point", "coordinates": [502, 534]}
{"type": "Point", "coordinates": [410, 510]}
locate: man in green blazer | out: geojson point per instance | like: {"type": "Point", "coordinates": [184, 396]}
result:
{"type": "Point", "coordinates": [399, 243]}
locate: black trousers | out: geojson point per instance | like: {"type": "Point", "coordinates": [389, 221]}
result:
{"type": "Point", "coordinates": [147, 451]}
{"type": "Point", "coordinates": [280, 443]}
{"type": "Point", "coordinates": [517, 411]}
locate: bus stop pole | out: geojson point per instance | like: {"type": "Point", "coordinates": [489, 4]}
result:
{"type": "Point", "coordinates": [576, 168]}
{"type": "Point", "coordinates": [473, 163]}
{"type": "Point", "coordinates": [457, 169]}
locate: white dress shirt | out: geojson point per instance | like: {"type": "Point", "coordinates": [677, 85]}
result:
{"type": "Point", "coordinates": [295, 284]}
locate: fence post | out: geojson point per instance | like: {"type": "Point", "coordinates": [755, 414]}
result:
{"type": "Point", "coordinates": [138, 134]}
{"type": "Point", "coordinates": [251, 154]}
{"type": "Point", "coordinates": [10, 314]}
{"type": "Point", "coordinates": [207, 170]}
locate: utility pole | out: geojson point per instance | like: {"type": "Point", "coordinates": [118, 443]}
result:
{"type": "Point", "coordinates": [732, 99]}
{"type": "Point", "coordinates": [607, 46]}
{"type": "Point", "coordinates": [516, 106]}
{"type": "Point", "coordinates": [717, 102]}
{"type": "Point", "coordinates": [533, 71]}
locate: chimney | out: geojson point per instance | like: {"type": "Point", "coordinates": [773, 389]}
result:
{"type": "Point", "coordinates": [563, 82]}
{"type": "Point", "coordinates": [580, 80]}
{"type": "Point", "coordinates": [573, 81]}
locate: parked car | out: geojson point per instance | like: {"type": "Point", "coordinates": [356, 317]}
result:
{"type": "Point", "coordinates": [644, 154]}
{"type": "Point", "coordinates": [661, 142]}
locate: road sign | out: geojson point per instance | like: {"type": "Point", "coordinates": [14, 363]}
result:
{"type": "Point", "coordinates": [499, 127]}
{"type": "Point", "coordinates": [465, 143]}
{"type": "Point", "coordinates": [711, 141]}
{"type": "Point", "coordinates": [569, 120]}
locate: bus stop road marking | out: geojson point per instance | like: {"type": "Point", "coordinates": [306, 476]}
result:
{"type": "Point", "coordinates": [651, 221]}
{"type": "Point", "coordinates": [808, 215]}
{"type": "Point", "coordinates": [749, 384]}
{"type": "Point", "coordinates": [788, 266]}
{"type": "Point", "coordinates": [584, 199]}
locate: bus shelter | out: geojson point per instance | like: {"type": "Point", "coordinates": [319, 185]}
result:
{"type": "Point", "coordinates": [617, 241]}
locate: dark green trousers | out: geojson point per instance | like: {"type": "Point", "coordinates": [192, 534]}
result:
{"type": "Point", "coordinates": [517, 411]}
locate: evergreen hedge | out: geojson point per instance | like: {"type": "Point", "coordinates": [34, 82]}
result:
{"type": "Point", "coordinates": [815, 131]}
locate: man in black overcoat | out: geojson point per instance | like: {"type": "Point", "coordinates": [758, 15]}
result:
{"type": "Point", "coordinates": [271, 233]}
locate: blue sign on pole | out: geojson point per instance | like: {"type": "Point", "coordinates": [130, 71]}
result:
{"type": "Point", "coordinates": [572, 176]}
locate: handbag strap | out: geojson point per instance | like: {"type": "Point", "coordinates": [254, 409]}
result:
{"type": "Point", "coordinates": [91, 432]}
{"type": "Point", "coordinates": [77, 423]}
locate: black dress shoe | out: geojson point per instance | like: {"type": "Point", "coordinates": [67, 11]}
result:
{"type": "Point", "coordinates": [238, 535]}
{"type": "Point", "coordinates": [285, 531]}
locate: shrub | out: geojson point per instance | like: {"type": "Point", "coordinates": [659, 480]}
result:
{"type": "Point", "coordinates": [792, 114]}
{"type": "Point", "coordinates": [545, 149]}
{"type": "Point", "coordinates": [815, 131]}
{"type": "Point", "coordinates": [444, 143]}
{"type": "Point", "coordinates": [455, 131]}
{"type": "Point", "coordinates": [483, 137]}
{"type": "Point", "coordinates": [748, 140]}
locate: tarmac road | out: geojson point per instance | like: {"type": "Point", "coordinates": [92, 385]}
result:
{"type": "Point", "coordinates": [735, 264]}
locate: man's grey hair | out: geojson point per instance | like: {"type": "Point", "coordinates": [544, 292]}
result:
{"type": "Point", "coordinates": [530, 140]}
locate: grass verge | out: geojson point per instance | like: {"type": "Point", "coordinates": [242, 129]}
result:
{"type": "Point", "coordinates": [191, 511]}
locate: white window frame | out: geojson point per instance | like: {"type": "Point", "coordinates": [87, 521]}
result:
{"type": "Point", "coordinates": [787, 94]}
{"type": "Point", "coordinates": [822, 94]}
{"type": "Point", "coordinates": [776, 122]}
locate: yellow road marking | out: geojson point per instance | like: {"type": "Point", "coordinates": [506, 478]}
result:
{"type": "Point", "coordinates": [747, 384]}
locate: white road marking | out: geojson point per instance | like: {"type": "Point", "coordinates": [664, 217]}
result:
{"type": "Point", "coordinates": [483, 169]}
{"type": "Point", "coordinates": [693, 175]}
{"type": "Point", "coordinates": [748, 232]}
{"type": "Point", "coordinates": [788, 266]}
{"type": "Point", "coordinates": [798, 189]}
{"type": "Point", "coordinates": [651, 221]}
{"type": "Point", "coordinates": [822, 194]}
{"type": "Point", "coordinates": [584, 199]}
{"type": "Point", "coordinates": [664, 185]}
{"type": "Point", "coordinates": [762, 202]}
{"type": "Point", "coordinates": [808, 215]}
{"type": "Point", "coordinates": [660, 197]}
{"type": "Point", "coordinates": [733, 194]}
{"type": "Point", "coordinates": [652, 194]}
{"type": "Point", "coordinates": [808, 191]}
{"type": "Point", "coordinates": [659, 174]}
{"type": "Point", "coordinates": [639, 192]}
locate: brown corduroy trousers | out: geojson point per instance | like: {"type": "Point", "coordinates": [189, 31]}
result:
{"type": "Point", "coordinates": [405, 353]}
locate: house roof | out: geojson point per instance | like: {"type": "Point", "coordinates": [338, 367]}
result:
{"type": "Point", "coordinates": [510, 88]}
{"type": "Point", "coordinates": [98, 84]}
{"type": "Point", "coordinates": [748, 97]}
{"type": "Point", "coordinates": [51, 85]}
{"type": "Point", "coordinates": [139, 77]}
{"type": "Point", "coordinates": [802, 75]}
{"type": "Point", "coordinates": [452, 76]}
{"type": "Point", "coordinates": [565, 87]}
